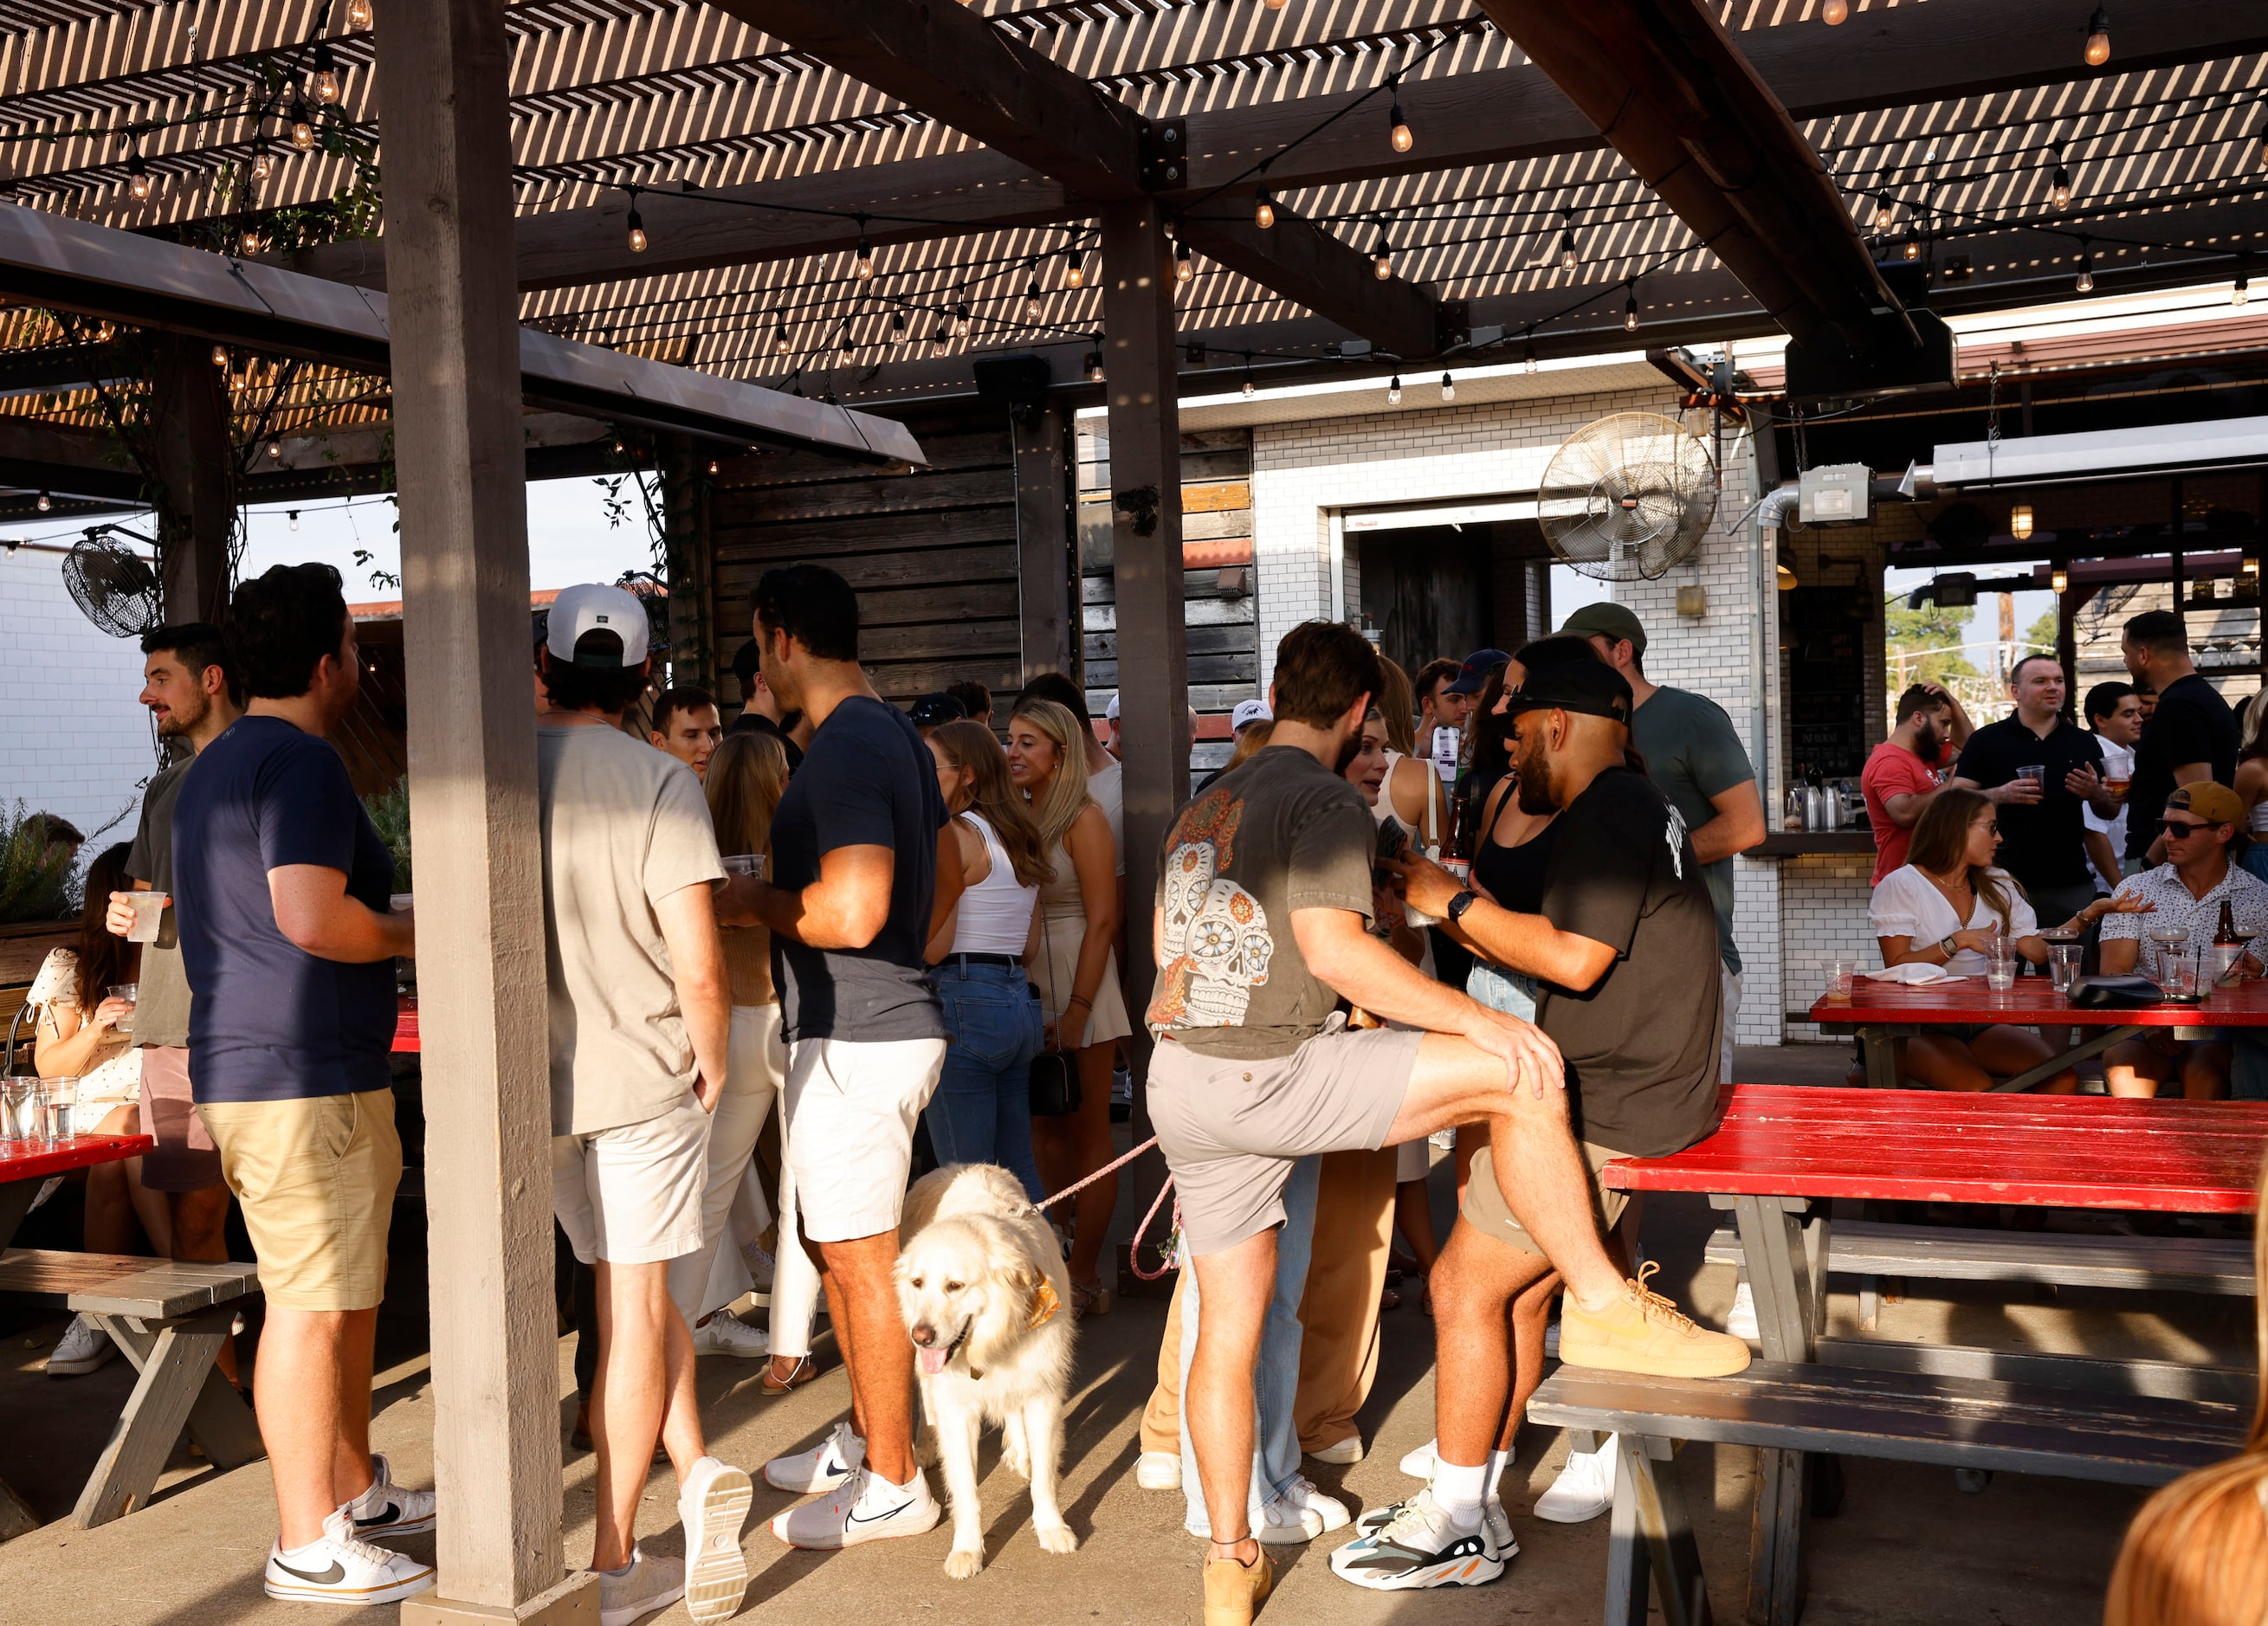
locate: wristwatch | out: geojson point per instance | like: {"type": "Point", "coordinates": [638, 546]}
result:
{"type": "Point", "coordinates": [1950, 947]}
{"type": "Point", "coordinates": [1458, 904]}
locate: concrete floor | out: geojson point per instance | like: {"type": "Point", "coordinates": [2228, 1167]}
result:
{"type": "Point", "coordinates": [1906, 1547]}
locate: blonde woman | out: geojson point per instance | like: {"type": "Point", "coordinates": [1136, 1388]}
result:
{"type": "Point", "coordinates": [1411, 794]}
{"type": "Point", "coordinates": [982, 1112]}
{"type": "Point", "coordinates": [1076, 971]}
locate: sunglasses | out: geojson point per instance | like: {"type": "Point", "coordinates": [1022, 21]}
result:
{"type": "Point", "coordinates": [2180, 829]}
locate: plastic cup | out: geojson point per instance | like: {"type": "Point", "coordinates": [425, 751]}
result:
{"type": "Point", "coordinates": [148, 913]}
{"type": "Point", "coordinates": [2037, 772]}
{"type": "Point", "coordinates": [2063, 964]}
{"type": "Point", "coordinates": [130, 992]}
{"type": "Point", "coordinates": [58, 1110]}
{"type": "Point", "coordinates": [19, 1112]}
{"type": "Point", "coordinates": [1841, 972]}
{"type": "Point", "coordinates": [751, 864]}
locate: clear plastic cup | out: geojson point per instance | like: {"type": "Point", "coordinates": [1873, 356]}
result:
{"type": "Point", "coordinates": [19, 1112]}
{"type": "Point", "coordinates": [750, 864]}
{"type": "Point", "coordinates": [1999, 971]}
{"type": "Point", "coordinates": [130, 992]}
{"type": "Point", "coordinates": [58, 1110]}
{"type": "Point", "coordinates": [2063, 959]}
{"type": "Point", "coordinates": [149, 914]}
{"type": "Point", "coordinates": [1841, 973]}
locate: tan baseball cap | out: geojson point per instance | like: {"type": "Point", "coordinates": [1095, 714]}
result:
{"type": "Point", "coordinates": [2215, 804]}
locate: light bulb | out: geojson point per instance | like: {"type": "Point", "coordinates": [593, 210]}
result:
{"type": "Point", "coordinates": [1402, 138]}
{"type": "Point", "coordinates": [638, 233]}
{"type": "Point", "coordinates": [325, 84]}
{"type": "Point", "coordinates": [1381, 261]}
{"type": "Point", "coordinates": [1394, 391]}
{"type": "Point", "coordinates": [359, 15]}
{"type": "Point", "coordinates": [1183, 269]}
{"type": "Point", "coordinates": [1273, 5]}
{"type": "Point", "coordinates": [850, 350]}
{"type": "Point", "coordinates": [1247, 381]}
{"type": "Point", "coordinates": [1566, 251]}
{"type": "Point", "coordinates": [1033, 308]}
{"type": "Point", "coordinates": [220, 356]}
{"type": "Point", "coordinates": [2059, 581]}
{"type": "Point", "coordinates": [1885, 213]}
{"type": "Point", "coordinates": [780, 344]}
{"type": "Point", "coordinates": [1074, 269]}
{"type": "Point", "coordinates": [897, 327]}
{"type": "Point", "coordinates": [2059, 194]}
{"type": "Point", "coordinates": [302, 130]}
{"type": "Point", "coordinates": [1835, 14]}
{"type": "Point", "coordinates": [103, 333]}
{"type": "Point", "coordinates": [260, 164]}
{"type": "Point", "coordinates": [1095, 367]}
{"type": "Point", "coordinates": [274, 448]}
{"type": "Point", "coordinates": [1910, 248]}
{"type": "Point", "coordinates": [1629, 314]}
{"type": "Point", "coordinates": [2086, 282]}
{"type": "Point", "coordinates": [137, 178]}
{"type": "Point", "coordinates": [2020, 523]}
{"type": "Point", "coordinates": [712, 465]}
{"type": "Point", "coordinates": [1263, 212]}
{"type": "Point", "coordinates": [295, 518]}
{"type": "Point", "coordinates": [2236, 295]}
{"type": "Point", "coordinates": [1448, 387]}
{"type": "Point", "coordinates": [1528, 360]}
{"type": "Point", "coordinates": [960, 320]}
{"type": "Point", "coordinates": [943, 336]}
{"type": "Point", "coordinates": [46, 502]}
{"type": "Point", "coordinates": [2098, 37]}
{"type": "Point", "coordinates": [862, 264]}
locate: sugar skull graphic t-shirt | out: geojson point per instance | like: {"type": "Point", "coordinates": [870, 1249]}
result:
{"type": "Point", "coordinates": [1279, 834]}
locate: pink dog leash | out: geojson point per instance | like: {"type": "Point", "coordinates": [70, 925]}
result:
{"type": "Point", "coordinates": [1143, 1229]}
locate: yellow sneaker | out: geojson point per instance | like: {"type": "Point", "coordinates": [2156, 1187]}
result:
{"type": "Point", "coordinates": [1642, 1331]}
{"type": "Point", "coordinates": [1232, 1591]}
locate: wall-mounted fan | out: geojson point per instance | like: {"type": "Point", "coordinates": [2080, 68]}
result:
{"type": "Point", "coordinates": [1627, 496]}
{"type": "Point", "coordinates": [117, 588]}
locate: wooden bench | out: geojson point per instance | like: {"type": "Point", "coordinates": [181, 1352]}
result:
{"type": "Point", "coordinates": [170, 1317]}
{"type": "Point", "coordinates": [1969, 1423]}
{"type": "Point", "coordinates": [1935, 1253]}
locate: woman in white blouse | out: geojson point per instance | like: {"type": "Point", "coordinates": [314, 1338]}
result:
{"type": "Point", "coordinates": [1944, 908]}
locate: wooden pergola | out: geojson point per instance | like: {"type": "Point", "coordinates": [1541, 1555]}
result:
{"type": "Point", "coordinates": [848, 201]}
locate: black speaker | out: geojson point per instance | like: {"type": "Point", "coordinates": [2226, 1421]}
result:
{"type": "Point", "coordinates": [1017, 382]}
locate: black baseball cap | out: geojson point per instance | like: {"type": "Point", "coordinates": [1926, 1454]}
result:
{"type": "Point", "coordinates": [1473, 674]}
{"type": "Point", "coordinates": [1590, 687]}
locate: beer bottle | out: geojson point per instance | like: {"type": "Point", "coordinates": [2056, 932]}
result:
{"type": "Point", "coordinates": [2228, 946]}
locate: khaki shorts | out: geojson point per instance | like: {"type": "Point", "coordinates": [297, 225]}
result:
{"type": "Point", "coordinates": [317, 1179]}
{"type": "Point", "coordinates": [186, 1159]}
{"type": "Point", "coordinates": [631, 1194]}
{"type": "Point", "coordinates": [1487, 1212]}
{"type": "Point", "coordinates": [1231, 1129]}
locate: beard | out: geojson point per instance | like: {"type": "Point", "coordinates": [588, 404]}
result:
{"type": "Point", "coordinates": [1928, 743]}
{"type": "Point", "coordinates": [179, 719]}
{"type": "Point", "coordinates": [1533, 766]}
{"type": "Point", "coordinates": [1348, 752]}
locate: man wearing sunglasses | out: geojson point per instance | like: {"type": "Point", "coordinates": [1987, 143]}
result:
{"type": "Point", "coordinates": [2199, 821]}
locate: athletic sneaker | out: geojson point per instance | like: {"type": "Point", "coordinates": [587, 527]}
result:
{"type": "Point", "coordinates": [1585, 1488]}
{"type": "Point", "coordinates": [1418, 1464]}
{"type": "Point", "coordinates": [1233, 1591]}
{"type": "Point", "coordinates": [1642, 1331]}
{"type": "Point", "coordinates": [1287, 1523]}
{"type": "Point", "coordinates": [1158, 1470]}
{"type": "Point", "coordinates": [1496, 1525]}
{"type": "Point", "coordinates": [342, 1568]}
{"type": "Point", "coordinates": [648, 1585]}
{"type": "Point", "coordinates": [761, 1265]}
{"type": "Point", "coordinates": [713, 1504]}
{"type": "Point", "coordinates": [386, 1508]}
{"type": "Point", "coordinates": [822, 1468]}
{"type": "Point", "coordinates": [1302, 1493]}
{"type": "Point", "coordinates": [84, 1347]}
{"type": "Point", "coordinates": [724, 1334]}
{"type": "Point", "coordinates": [864, 1507]}
{"type": "Point", "coordinates": [1340, 1453]}
{"type": "Point", "coordinates": [1419, 1547]}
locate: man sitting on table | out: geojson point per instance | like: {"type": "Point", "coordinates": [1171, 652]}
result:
{"type": "Point", "coordinates": [2200, 820]}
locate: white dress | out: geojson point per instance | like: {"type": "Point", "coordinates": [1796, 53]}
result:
{"type": "Point", "coordinates": [1908, 904]}
{"type": "Point", "coordinates": [115, 1078]}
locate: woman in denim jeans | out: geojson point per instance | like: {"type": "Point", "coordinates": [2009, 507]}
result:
{"type": "Point", "coordinates": [982, 1112]}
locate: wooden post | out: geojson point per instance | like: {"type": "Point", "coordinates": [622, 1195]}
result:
{"type": "Point", "coordinates": [453, 310]}
{"type": "Point", "coordinates": [197, 466]}
{"type": "Point", "coordinates": [1044, 572]}
{"type": "Point", "coordinates": [685, 485]}
{"type": "Point", "coordinates": [1146, 503]}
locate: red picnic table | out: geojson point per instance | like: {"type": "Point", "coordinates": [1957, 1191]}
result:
{"type": "Point", "coordinates": [23, 1172]}
{"type": "Point", "coordinates": [405, 1027]}
{"type": "Point", "coordinates": [1780, 1152]}
{"type": "Point", "coordinates": [1882, 1012]}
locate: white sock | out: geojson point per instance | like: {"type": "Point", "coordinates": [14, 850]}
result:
{"type": "Point", "coordinates": [297, 1553]}
{"type": "Point", "coordinates": [1499, 1460]}
{"type": "Point", "coordinates": [1457, 1492]}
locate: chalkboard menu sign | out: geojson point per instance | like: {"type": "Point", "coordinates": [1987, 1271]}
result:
{"type": "Point", "coordinates": [1825, 629]}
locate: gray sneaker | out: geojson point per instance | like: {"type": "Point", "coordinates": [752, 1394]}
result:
{"type": "Point", "coordinates": [1419, 1547]}
{"type": "Point", "coordinates": [650, 1583]}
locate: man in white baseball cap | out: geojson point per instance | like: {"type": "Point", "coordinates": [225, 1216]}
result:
{"type": "Point", "coordinates": [640, 1020]}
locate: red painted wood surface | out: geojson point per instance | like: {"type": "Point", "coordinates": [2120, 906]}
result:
{"type": "Point", "coordinates": [2032, 1000]}
{"type": "Point", "coordinates": [1931, 1145]}
{"type": "Point", "coordinates": [83, 1152]}
{"type": "Point", "coordinates": [405, 1028]}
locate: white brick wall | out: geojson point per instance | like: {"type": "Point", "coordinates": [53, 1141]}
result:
{"type": "Point", "coordinates": [1822, 916]}
{"type": "Point", "coordinates": [73, 739]}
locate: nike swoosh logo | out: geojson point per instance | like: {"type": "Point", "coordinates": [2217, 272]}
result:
{"type": "Point", "coordinates": [392, 1511]}
{"type": "Point", "coordinates": [330, 1576]}
{"type": "Point", "coordinates": [885, 1513]}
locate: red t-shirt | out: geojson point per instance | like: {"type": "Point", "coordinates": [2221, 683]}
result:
{"type": "Point", "coordinates": [1891, 771]}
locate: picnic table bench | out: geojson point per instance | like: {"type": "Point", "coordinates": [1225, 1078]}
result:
{"type": "Point", "coordinates": [1778, 1157]}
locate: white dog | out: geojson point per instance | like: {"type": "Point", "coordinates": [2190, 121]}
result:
{"type": "Point", "coordinates": [987, 1302]}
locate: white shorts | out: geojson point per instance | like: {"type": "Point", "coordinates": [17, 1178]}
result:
{"type": "Point", "coordinates": [631, 1194]}
{"type": "Point", "coordinates": [849, 1110]}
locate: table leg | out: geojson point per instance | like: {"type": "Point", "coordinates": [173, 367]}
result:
{"type": "Point", "coordinates": [1776, 1563]}
{"type": "Point", "coordinates": [1880, 1047]}
{"type": "Point", "coordinates": [174, 1373]}
{"type": "Point", "coordinates": [1659, 1497]}
{"type": "Point", "coordinates": [220, 1421]}
{"type": "Point", "coordinates": [2048, 1069]}
{"type": "Point", "coordinates": [1786, 1262]}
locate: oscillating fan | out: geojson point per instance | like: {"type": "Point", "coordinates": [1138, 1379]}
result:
{"type": "Point", "coordinates": [118, 589]}
{"type": "Point", "coordinates": [1627, 496]}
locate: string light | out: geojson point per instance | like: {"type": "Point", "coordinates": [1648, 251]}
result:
{"type": "Point", "coordinates": [2059, 188]}
{"type": "Point", "coordinates": [220, 356]}
{"type": "Point", "coordinates": [2098, 37]}
{"type": "Point", "coordinates": [293, 515]}
{"type": "Point", "coordinates": [1528, 357]}
{"type": "Point", "coordinates": [137, 178]}
{"type": "Point", "coordinates": [1630, 311]}
{"type": "Point", "coordinates": [1567, 256]}
{"type": "Point", "coordinates": [1448, 387]}
{"type": "Point", "coordinates": [2237, 294]}
{"type": "Point", "coordinates": [1074, 266]}
{"type": "Point", "coordinates": [1400, 135]}
{"type": "Point", "coordinates": [897, 327]}
{"type": "Point", "coordinates": [325, 84]}
{"type": "Point", "coordinates": [1094, 365]}
{"type": "Point", "coordinates": [1910, 249]}
{"type": "Point", "coordinates": [359, 15]}
{"type": "Point", "coordinates": [1248, 373]}
{"type": "Point", "coordinates": [861, 263]}
{"type": "Point", "coordinates": [1381, 260]}
{"type": "Point", "coordinates": [1033, 308]}
{"type": "Point", "coordinates": [303, 128]}
{"type": "Point", "coordinates": [780, 342]}
{"type": "Point", "coordinates": [850, 350]}
{"type": "Point", "coordinates": [260, 163]}
{"type": "Point", "coordinates": [2086, 282]}
{"type": "Point", "coordinates": [1263, 211]}
{"type": "Point", "coordinates": [46, 503]}
{"type": "Point", "coordinates": [274, 448]}
{"type": "Point", "coordinates": [960, 320]}
{"type": "Point", "coordinates": [1183, 269]}
{"type": "Point", "coordinates": [1394, 391]}
{"type": "Point", "coordinates": [103, 333]}
{"type": "Point", "coordinates": [1886, 214]}
{"type": "Point", "coordinates": [638, 232]}
{"type": "Point", "coordinates": [712, 465]}
{"type": "Point", "coordinates": [942, 338]}
{"type": "Point", "coordinates": [1835, 14]}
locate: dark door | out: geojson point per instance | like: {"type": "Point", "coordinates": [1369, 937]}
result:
{"type": "Point", "coordinates": [1428, 590]}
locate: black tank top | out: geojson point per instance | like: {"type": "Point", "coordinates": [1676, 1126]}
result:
{"type": "Point", "coordinates": [1515, 875]}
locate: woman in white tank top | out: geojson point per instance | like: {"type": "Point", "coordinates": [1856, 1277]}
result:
{"type": "Point", "coordinates": [982, 1110]}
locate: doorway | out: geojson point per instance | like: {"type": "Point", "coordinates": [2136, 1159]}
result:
{"type": "Point", "coordinates": [1428, 590]}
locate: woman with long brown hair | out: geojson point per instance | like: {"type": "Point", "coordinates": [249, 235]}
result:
{"type": "Point", "coordinates": [982, 1110]}
{"type": "Point", "coordinates": [1076, 970]}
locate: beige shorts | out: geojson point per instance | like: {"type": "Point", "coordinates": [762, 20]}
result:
{"type": "Point", "coordinates": [1232, 1128]}
{"type": "Point", "coordinates": [848, 1107]}
{"type": "Point", "coordinates": [186, 1159]}
{"type": "Point", "coordinates": [317, 1179]}
{"type": "Point", "coordinates": [631, 1194]}
{"type": "Point", "coordinates": [1487, 1212]}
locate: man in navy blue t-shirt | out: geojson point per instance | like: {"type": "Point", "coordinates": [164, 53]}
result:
{"type": "Point", "coordinates": [856, 888]}
{"type": "Point", "coordinates": [281, 892]}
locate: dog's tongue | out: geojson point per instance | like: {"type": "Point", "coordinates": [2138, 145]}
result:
{"type": "Point", "coordinates": [932, 1361]}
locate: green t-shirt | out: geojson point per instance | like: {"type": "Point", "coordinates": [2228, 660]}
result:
{"type": "Point", "coordinates": [1693, 755]}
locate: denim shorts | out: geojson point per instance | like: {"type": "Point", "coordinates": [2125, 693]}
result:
{"type": "Point", "coordinates": [1510, 992]}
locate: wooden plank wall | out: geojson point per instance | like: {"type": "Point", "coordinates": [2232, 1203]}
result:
{"type": "Point", "coordinates": [932, 553]}
{"type": "Point", "coordinates": [1218, 584]}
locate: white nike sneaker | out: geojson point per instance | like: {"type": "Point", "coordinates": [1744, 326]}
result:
{"type": "Point", "coordinates": [1158, 1470]}
{"type": "Point", "coordinates": [1419, 1546]}
{"type": "Point", "coordinates": [728, 1335]}
{"type": "Point", "coordinates": [1418, 1464]}
{"type": "Point", "coordinates": [83, 1348]}
{"type": "Point", "coordinates": [822, 1468]}
{"type": "Point", "coordinates": [1340, 1453]}
{"type": "Point", "coordinates": [650, 1583]}
{"type": "Point", "coordinates": [713, 1504]}
{"type": "Point", "coordinates": [387, 1508]}
{"type": "Point", "coordinates": [1585, 1488]}
{"type": "Point", "coordinates": [864, 1507]}
{"type": "Point", "coordinates": [1287, 1523]}
{"type": "Point", "coordinates": [1330, 1509]}
{"type": "Point", "coordinates": [342, 1568]}
{"type": "Point", "coordinates": [1741, 1320]}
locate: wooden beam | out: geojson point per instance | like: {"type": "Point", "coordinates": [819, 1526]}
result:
{"type": "Point", "coordinates": [1311, 268]}
{"type": "Point", "coordinates": [196, 468]}
{"type": "Point", "coordinates": [685, 487]}
{"type": "Point", "coordinates": [455, 320]}
{"type": "Point", "coordinates": [1044, 566]}
{"type": "Point", "coordinates": [1145, 493]}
